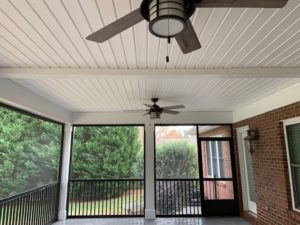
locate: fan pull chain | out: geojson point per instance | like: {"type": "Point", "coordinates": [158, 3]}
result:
{"type": "Point", "coordinates": [167, 58]}
{"type": "Point", "coordinates": [169, 39]}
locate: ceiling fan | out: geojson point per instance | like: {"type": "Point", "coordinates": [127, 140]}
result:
{"type": "Point", "coordinates": [170, 18]}
{"type": "Point", "coordinates": [155, 110]}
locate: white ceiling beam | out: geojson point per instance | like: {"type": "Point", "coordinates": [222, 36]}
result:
{"type": "Point", "coordinates": [151, 73]}
{"type": "Point", "coordinates": [138, 118]}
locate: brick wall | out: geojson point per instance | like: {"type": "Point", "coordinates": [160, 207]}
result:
{"type": "Point", "coordinates": [270, 167]}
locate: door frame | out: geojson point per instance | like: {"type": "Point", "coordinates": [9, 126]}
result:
{"type": "Point", "coordinates": [247, 204]}
{"type": "Point", "coordinates": [220, 207]}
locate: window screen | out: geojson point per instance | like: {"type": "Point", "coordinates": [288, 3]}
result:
{"type": "Point", "coordinates": [293, 137]}
{"type": "Point", "coordinates": [214, 159]}
{"type": "Point", "coordinates": [29, 152]}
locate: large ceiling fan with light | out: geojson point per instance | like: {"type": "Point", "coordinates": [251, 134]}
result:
{"type": "Point", "coordinates": [170, 18]}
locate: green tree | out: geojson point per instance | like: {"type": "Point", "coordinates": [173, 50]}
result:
{"type": "Point", "coordinates": [29, 152]}
{"type": "Point", "coordinates": [138, 166]}
{"type": "Point", "coordinates": [176, 160]}
{"type": "Point", "coordinates": [105, 152]}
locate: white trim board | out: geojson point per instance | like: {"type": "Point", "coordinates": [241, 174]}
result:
{"type": "Point", "coordinates": [15, 95]}
{"type": "Point", "coordinates": [151, 73]}
{"type": "Point", "coordinates": [280, 99]}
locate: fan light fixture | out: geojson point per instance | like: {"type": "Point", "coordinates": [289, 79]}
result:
{"type": "Point", "coordinates": [155, 114]}
{"type": "Point", "coordinates": [167, 17]}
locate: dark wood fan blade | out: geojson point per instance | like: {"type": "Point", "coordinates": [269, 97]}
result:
{"type": "Point", "coordinates": [116, 27]}
{"type": "Point", "coordinates": [150, 106]}
{"type": "Point", "coordinates": [174, 107]}
{"type": "Point", "coordinates": [188, 40]}
{"type": "Point", "coordinates": [242, 3]}
{"type": "Point", "coordinates": [134, 110]}
{"type": "Point", "coordinates": [169, 111]}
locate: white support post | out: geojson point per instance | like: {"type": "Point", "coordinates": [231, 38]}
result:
{"type": "Point", "coordinates": [62, 208]}
{"type": "Point", "coordinates": [149, 173]}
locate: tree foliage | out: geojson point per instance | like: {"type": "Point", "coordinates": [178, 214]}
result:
{"type": "Point", "coordinates": [105, 152]}
{"type": "Point", "coordinates": [176, 160]}
{"type": "Point", "coordinates": [29, 152]}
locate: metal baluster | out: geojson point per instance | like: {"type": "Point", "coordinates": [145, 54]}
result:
{"type": "Point", "coordinates": [38, 211]}
{"type": "Point", "coordinates": [5, 211]}
{"type": "Point", "coordinates": [29, 221]}
{"type": "Point", "coordinates": [12, 212]}
{"type": "Point", "coordinates": [71, 200]}
{"type": "Point", "coordinates": [101, 200]}
{"type": "Point", "coordinates": [125, 199]}
{"type": "Point", "coordinates": [122, 190]}
{"type": "Point", "coordinates": [134, 199]}
{"type": "Point", "coordinates": [85, 198]}
{"type": "Point", "coordinates": [162, 212]}
{"type": "Point", "coordinates": [90, 196]}
{"type": "Point", "coordinates": [118, 197]}
{"type": "Point", "coordinates": [110, 186]}
{"type": "Point", "coordinates": [98, 196]}
{"type": "Point", "coordinates": [129, 205]}
{"type": "Point", "coordinates": [41, 207]}
{"type": "Point", "coordinates": [44, 196]}
{"type": "Point", "coordinates": [197, 197]}
{"type": "Point", "coordinates": [106, 198]}
{"type": "Point", "coordinates": [1, 213]}
{"type": "Point", "coordinates": [114, 197]}
{"type": "Point", "coordinates": [95, 184]}
{"type": "Point", "coordinates": [177, 196]}
{"type": "Point", "coordinates": [50, 204]}
{"type": "Point", "coordinates": [19, 207]}
{"type": "Point", "coordinates": [140, 187]}
{"type": "Point", "coordinates": [189, 196]}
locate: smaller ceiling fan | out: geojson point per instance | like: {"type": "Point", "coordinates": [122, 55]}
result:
{"type": "Point", "coordinates": [155, 110]}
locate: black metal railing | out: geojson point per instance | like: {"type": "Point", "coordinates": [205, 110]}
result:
{"type": "Point", "coordinates": [178, 197]}
{"type": "Point", "coordinates": [36, 207]}
{"type": "Point", "coordinates": [106, 198]}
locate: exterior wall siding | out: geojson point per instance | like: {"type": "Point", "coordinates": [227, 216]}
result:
{"type": "Point", "coordinates": [270, 167]}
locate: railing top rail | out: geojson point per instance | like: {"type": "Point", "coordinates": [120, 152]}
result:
{"type": "Point", "coordinates": [97, 180]}
{"type": "Point", "coordinates": [27, 193]}
{"type": "Point", "coordinates": [180, 179]}
{"type": "Point", "coordinates": [217, 179]}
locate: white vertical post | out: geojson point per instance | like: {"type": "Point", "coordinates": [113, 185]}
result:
{"type": "Point", "coordinates": [149, 173]}
{"type": "Point", "coordinates": [62, 208]}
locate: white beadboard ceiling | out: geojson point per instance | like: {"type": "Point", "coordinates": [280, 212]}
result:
{"type": "Point", "coordinates": [51, 34]}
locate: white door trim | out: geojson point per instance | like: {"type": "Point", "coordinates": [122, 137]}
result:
{"type": "Point", "coordinates": [247, 204]}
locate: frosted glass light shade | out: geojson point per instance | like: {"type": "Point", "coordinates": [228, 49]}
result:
{"type": "Point", "coordinates": [167, 17]}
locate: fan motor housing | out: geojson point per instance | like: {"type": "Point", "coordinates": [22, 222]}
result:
{"type": "Point", "coordinates": [167, 17]}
